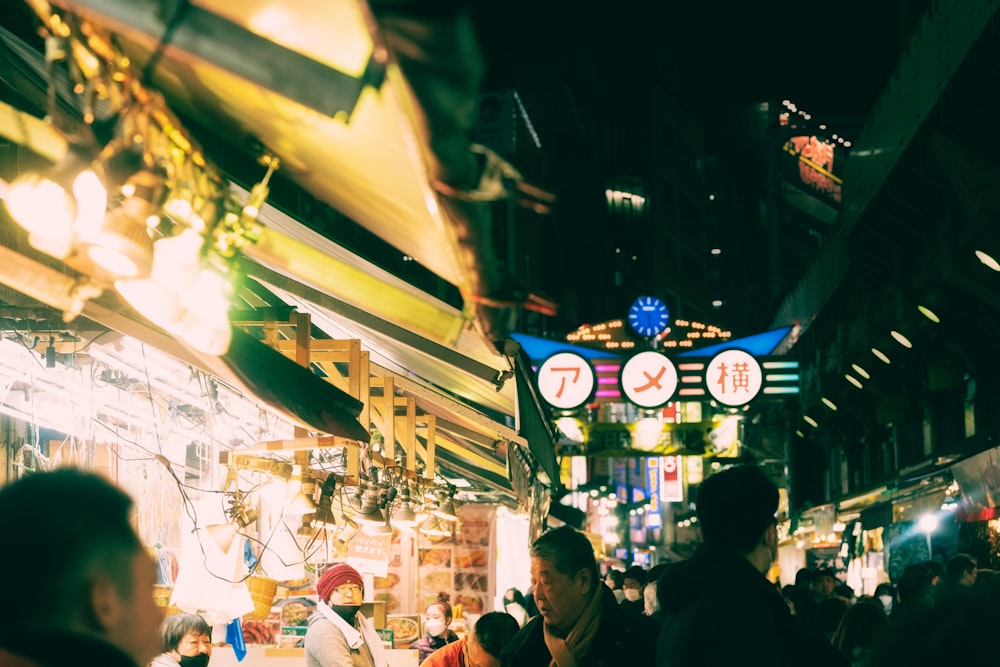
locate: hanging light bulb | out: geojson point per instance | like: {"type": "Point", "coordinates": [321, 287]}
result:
{"type": "Point", "coordinates": [53, 205]}
{"type": "Point", "coordinates": [404, 516]}
{"type": "Point", "coordinates": [446, 509]}
{"type": "Point", "coordinates": [183, 296]}
{"type": "Point", "coordinates": [121, 244]}
{"type": "Point", "coordinates": [370, 512]}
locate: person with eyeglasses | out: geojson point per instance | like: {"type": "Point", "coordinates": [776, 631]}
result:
{"type": "Point", "coordinates": [337, 635]}
{"type": "Point", "coordinates": [479, 648]}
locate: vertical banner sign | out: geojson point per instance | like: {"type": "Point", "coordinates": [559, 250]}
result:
{"type": "Point", "coordinates": [671, 488]}
{"type": "Point", "coordinates": [653, 518]}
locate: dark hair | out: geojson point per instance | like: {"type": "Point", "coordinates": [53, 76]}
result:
{"type": "Point", "coordinates": [735, 506]}
{"type": "Point", "coordinates": [516, 596]}
{"type": "Point", "coordinates": [616, 577]}
{"type": "Point", "coordinates": [71, 525]}
{"type": "Point", "coordinates": [494, 630]}
{"type": "Point", "coordinates": [442, 601]}
{"type": "Point", "coordinates": [959, 565]}
{"type": "Point", "coordinates": [567, 549]}
{"type": "Point", "coordinates": [803, 576]}
{"type": "Point", "coordinates": [175, 626]}
{"type": "Point", "coordinates": [862, 626]}
{"type": "Point", "coordinates": [635, 572]}
{"type": "Point", "coordinates": [885, 588]}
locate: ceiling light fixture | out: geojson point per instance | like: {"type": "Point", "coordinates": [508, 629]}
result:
{"type": "Point", "coordinates": [882, 356]}
{"type": "Point", "coordinates": [988, 260]}
{"type": "Point", "coordinates": [901, 339]}
{"type": "Point", "coordinates": [929, 314]}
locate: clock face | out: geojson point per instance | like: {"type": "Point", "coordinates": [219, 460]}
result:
{"type": "Point", "coordinates": [648, 316]}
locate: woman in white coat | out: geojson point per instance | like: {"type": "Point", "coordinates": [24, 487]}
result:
{"type": "Point", "coordinates": [338, 635]}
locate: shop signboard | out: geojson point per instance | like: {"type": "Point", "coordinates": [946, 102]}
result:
{"type": "Point", "coordinates": [369, 554]}
{"type": "Point", "coordinates": [653, 517]}
{"type": "Point", "coordinates": [734, 377]}
{"type": "Point", "coordinates": [566, 380]}
{"type": "Point", "coordinates": [671, 486]}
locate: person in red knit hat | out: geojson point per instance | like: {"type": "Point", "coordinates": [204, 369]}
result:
{"type": "Point", "coordinates": [339, 636]}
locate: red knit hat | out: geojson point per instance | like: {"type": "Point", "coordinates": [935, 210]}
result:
{"type": "Point", "coordinates": [337, 576]}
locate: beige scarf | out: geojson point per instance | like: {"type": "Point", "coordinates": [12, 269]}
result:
{"type": "Point", "coordinates": [566, 652]}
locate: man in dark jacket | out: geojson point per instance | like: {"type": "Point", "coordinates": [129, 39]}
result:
{"type": "Point", "coordinates": [718, 608]}
{"type": "Point", "coordinates": [580, 623]}
{"type": "Point", "coordinates": [78, 584]}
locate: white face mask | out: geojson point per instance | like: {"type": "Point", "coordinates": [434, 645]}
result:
{"type": "Point", "coordinates": [886, 601]}
{"type": "Point", "coordinates": [434, 627]}
{"type": "Point", "coordinates": [632, 594]}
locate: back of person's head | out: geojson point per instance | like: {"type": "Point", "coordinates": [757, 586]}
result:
{"type": "Point", "coordinates": [954, 631]}
{"type": "Point", "coordinates": [958, 566]}
{"type": "Point", "coordinates": [616, 578]}
{"type": "Point", "coordinates": [175, 626]}
{"type": "Point", "coordinates": [655, 571]}
{"type": "Point", "coordinates": [863, 626]}
{"type": "Point", "coordinates": [937, 570]}
{"type": "Point", "coordinates": [69, 526]}
{"type": "Point", "coordinates": [567, 549]}
{"type": "Point", "coordinates": [735, 506]}
{"type": "Point", "coordinates": [803, 577]}
{"type": "Point", "coordinates": [829, 613]}
{"type": "Point", "coordinates": [915, 586]}
{"type": "Point", "coordinates": [801, 600]}
{"type": "Point", "coordinates": [494, 630]}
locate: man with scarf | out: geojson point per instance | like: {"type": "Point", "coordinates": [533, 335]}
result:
{"type": "Point", "coordinates": [580, 623]}
{"type": "Point", "coordinates": [338, 636]}
{"type": "Point", "coordinates": [719, 609]}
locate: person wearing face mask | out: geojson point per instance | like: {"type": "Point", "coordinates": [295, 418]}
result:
{"type": "Point", "coordinates": [437, 618]}
{"type": "Point", "coordinates": [633, 584]}
{"type": "Point", "coordinates": [338, 635]}
{"type": "Point", "coordinates": [187, 641]}
{"type": "Point", "coordinates": [724, 585]}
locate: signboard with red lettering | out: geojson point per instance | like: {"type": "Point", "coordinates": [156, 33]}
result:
{"type": "Point", "coordinates": [733, 377]}
{"type": "Point", "coordinates": [649, 379]}
{"type": "Point", "coordinates": [566, 380]}
{"type": "Point", "coordinates": [671, 486]}
{"type": "Point", "coordinates": [813, 166]}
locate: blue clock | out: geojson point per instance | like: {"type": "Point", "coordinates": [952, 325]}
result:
{"type": "Point", "coordinates": [648, 316]}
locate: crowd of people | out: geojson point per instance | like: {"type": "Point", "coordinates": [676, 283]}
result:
{"type": "Point", "coordinates": [94, 603]}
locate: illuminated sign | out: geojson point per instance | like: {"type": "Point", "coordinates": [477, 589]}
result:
{"type": "Point", "coordinates": [648, 379]}
{"type": "Point", "coordinates": [566, 380]}
{"type": "Point", "coordinates": [671, 486]}
{"type": "Point", "coordinates": [734, 377]}
{"type": "Point", "coordinates": [814, 167]}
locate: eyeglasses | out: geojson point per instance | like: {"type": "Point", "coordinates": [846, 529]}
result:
{"type": "Point", "coordinates": [348, 589]}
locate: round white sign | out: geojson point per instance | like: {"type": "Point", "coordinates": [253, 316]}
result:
{"type": "Point", "coordinates": [734, 377]}
{"type": "Point", "coordinates": [649, 379]}
{"type": "Point", "coordinates": [566, 380]}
